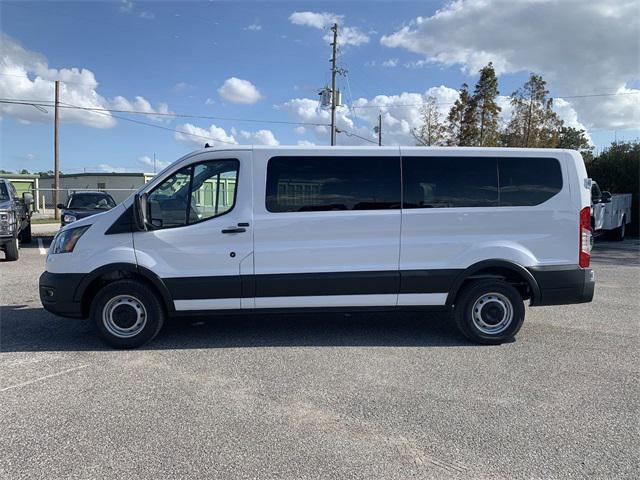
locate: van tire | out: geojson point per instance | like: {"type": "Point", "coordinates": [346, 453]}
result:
{"type": "Point", "coordinates": [127, 314]}
{"type": "Point", "coordinates": [505, 316]}
{"type": "Point", "coordinates": [12, 253]}
{"type": "Point", "coordinates": [25, 234]}
{"type": "Point", "coordinates": [618, 234]}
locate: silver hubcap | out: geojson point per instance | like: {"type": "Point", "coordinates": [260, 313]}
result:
{"type": "Point", "coordinates": [492, 313]}
{"type": "Point", "coordinates": [124, 316]}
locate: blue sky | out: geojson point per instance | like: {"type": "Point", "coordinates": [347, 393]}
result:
{"type": "Point", "coordinates": [267, 60]}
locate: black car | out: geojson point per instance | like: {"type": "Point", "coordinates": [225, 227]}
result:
{"type": "Point", "coordinates": [84, 204]}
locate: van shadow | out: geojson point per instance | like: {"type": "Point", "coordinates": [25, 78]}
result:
{"type": "Point", "coordinates": [24, 329]}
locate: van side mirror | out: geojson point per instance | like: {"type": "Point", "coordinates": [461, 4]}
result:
{"type": "Point", "coordinates": [60, 206]}
{"type": "Point", "coordinates": [606, 197]}
{"type": "Point", "coordinates": [27, 198]}
{"type": "Point", "coordinates": [140, 211]}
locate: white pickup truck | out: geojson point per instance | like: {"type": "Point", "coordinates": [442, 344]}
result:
{"type": "Point", "coordinates": [610, 213]}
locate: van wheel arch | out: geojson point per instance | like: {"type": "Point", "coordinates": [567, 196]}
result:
{"type": "Point", "coordinates": [107, 274]}
{"type": "Point", "coordinates": [511, 272]}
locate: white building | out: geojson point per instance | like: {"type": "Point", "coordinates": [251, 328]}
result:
{"type": "Point", "coordinates": [118, 185]}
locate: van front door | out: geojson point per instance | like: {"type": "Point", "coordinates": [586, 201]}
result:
{"type": "Point", "coordinates": [200, 240]}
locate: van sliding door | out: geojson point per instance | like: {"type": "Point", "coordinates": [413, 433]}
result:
{"type": "Point", "coordinates": [327, 228]}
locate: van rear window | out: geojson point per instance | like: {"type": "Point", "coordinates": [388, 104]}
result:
{"type": "Point", "coordinates": [449, 182]}
{"type": "Point", "coordinates": [441, 182]}
{"type": "Point", "coordinates": [307, 184]}
{"type": "Point", "coordinates": [528, 181]}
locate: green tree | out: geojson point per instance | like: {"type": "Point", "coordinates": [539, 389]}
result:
{"type": "Point", "coordinates": [486, 108]}
{"type": "Point", "coordinates": [24, 171]}
{"type": "Point", "coordinates": [575, 139]}
{"type": "Point", "coordinates": [432, 131]}
{"type": "Point", "coordinates": [533, 122]}
{"type": "Point", "coordinates": [462, 128]}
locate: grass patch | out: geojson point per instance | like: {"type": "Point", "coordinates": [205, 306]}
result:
{"type": "Point", "coordinates": [40, 221]}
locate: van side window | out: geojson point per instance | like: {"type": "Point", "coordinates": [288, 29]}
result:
{"type": "Point", "coordinates": [441, 182]}
{"type": "Point", "coordinates": [528, 181]}
{"type": "Point", "coordinates": [193, 194]}
{"type": "Point", "coordinates": [306, 184]}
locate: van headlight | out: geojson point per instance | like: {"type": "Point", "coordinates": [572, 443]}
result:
{"type": "Point", "coordinates": [7, 219]}
{"type": "Point", "coordinates": [69, 218]}
{"type": "Point", "coordinates": [65, 242]}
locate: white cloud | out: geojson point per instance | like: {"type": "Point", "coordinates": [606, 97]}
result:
{"type": "Point", "coordinates": [314, 19]}
{"type": "Point", "coordinates": [254, 27]}
{"type": "Point", "coordinates": [182, 87]}
{"type": "Point", "coordinates": [308, 110]}
{"type": "Point", "coordinates": [400, 115]}
{"type": "Point", "coordinates": [261, 137]}
{"type": "Point", "coordinates": [305, 143]}
{"type": "Point", "coordinates": [579, 47]}
{"type": "Point", "coordinates": [141, 104]}
{"type": "Point", "coordinates": [148, 161]}
{"type": "Point", "coordinates": [27, 75]}
{"type": "Point", "coordinates": [105, 167]}
{"type": "Point", "coordinates": [300, 130]}
{"type": "Point", "coordinates": [197, 136]}
{"type": "Point", "coordinates": [390, 63]}
{"type": "Point", "coordinates": [347, 35]}
{"type": "Point", "coordinates": [209, 101]}
{"type": "Point", "coordinates": [128, 6]}
{"type": "Point", "coordinates": [236, 90]}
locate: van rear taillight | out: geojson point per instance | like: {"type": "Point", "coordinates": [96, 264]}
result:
{"type": "Point", "coordinates": [585, 237]}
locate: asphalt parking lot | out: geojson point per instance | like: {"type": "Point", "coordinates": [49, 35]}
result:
{"type": "Point", "coordinates": [366, 396]}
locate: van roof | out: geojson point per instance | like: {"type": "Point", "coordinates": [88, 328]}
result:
{"type": "Point", "coordinates": [484, 150]}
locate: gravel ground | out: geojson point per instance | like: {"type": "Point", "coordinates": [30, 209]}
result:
{"type": "Point", "coordinates": [324, 396]}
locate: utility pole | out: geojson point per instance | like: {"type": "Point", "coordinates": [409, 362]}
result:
{"type": "Point", "coordinates": [380, 130]}
{"type": "Point", "coordinates": [56, 159]}
{"type": "Point", "coordinates": [334, 71]}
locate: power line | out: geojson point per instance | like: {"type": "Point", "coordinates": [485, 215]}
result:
{"type": "Point", "coordinates": [162, 128]}
{"type": "Point", "coordinates": [48, 103]}
{"type": "Point", "coordinates": [351, 134]}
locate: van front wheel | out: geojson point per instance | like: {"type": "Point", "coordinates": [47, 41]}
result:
{"type": "Point", "coordinates": [127, 314]}
{"type": "Point", "coordinates": [489, 311]}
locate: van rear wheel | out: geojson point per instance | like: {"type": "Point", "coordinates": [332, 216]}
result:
{"type": "Point", "coordinates": [489, 311]}
{"type": "Point", "coordinates": [127, 314]}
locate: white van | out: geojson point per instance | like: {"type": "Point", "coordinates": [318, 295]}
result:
{"type": "Point", "coordinates": [261, 229]}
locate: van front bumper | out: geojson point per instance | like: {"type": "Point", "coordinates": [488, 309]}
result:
{"type": "Point", "coordinates": [563, 284]}
{"type": "Point", "coordinates": [57, 291]}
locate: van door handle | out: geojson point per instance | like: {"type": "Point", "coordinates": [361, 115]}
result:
{"type": "Point", "coordinates": [234, 230]}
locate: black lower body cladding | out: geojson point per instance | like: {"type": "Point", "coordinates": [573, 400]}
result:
{"type": "Point", "coordinates": [564, 284]}
{"type": "Point", "coordinates": [61, 293]}
{"type": "Point", "coordinates": [57, 291]}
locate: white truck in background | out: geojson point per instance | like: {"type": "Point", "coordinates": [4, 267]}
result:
{"type": "Point", "coordinates": [610, 213]}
